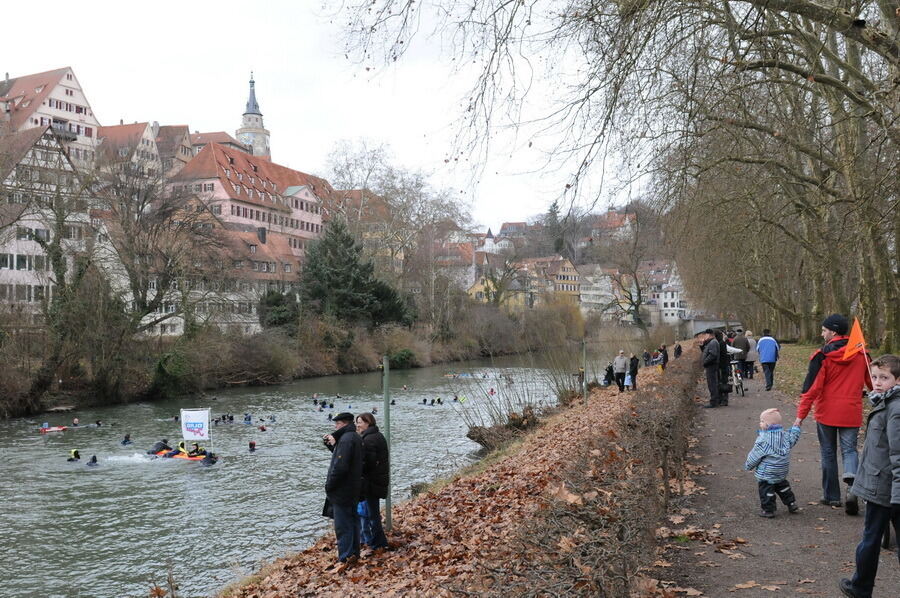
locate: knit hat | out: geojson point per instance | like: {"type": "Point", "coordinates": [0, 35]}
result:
{"type": "Point", "coordinates": [836, 323]}
{"type": "Point", "coordinates": [770, 417]}
{"type": "Point", "coordinates": [343, 417]}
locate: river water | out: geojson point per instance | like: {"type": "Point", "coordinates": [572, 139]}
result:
{"type": "Point", "coordinates": [68, 530]}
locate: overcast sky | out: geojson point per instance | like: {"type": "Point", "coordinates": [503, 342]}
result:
{"type": "Point", "coordinates": [189, 62]}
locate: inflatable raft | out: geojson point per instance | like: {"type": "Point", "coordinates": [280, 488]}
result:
{"type": "Point", "coordinates": [181, 456]}
{"type": "Point", "coordinates": [53, 429]}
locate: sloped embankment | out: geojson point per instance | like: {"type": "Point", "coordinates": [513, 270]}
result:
{"type": "Point", "coordinates": [571, 512]}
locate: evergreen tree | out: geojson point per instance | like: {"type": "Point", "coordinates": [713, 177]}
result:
{"type": "Point", "coordinates": [338, 282]}
{"type": "Point", "coordinates": [278, 309]}
{"type": "Point", "coordinates": [553, 228]}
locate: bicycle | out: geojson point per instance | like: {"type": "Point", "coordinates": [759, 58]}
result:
{"type": "Point", "coordinates": [736, 379]}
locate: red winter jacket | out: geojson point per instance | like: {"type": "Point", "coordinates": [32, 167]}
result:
{"type": "Point", "coordinates": [836, 389]}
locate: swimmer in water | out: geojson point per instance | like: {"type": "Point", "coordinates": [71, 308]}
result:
{"type": "Point", "coordinates": [127, 440]}
{"type": "Point", "coordinates": [252, 447]}
{"type": "Point", "coordinates": [74, 456]}
{"type": "Point", "coordinates": [75, 422]}
{"type": "Point", "coordinates": [93, 461]}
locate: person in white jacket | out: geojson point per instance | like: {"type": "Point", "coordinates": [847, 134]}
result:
{"type": "Point", "coordinates": [620, 366]}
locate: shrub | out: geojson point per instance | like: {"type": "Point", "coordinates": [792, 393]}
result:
{"type": "Point", "coordinates": [402, 359]}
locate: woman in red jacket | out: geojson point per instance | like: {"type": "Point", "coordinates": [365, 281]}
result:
{"type": "Point", "coordinates": [833, 390]}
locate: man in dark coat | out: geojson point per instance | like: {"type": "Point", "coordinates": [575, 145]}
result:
{"type": "Point", "coordinates": [709, 348]}
{"type": "Point", "coordinates": [342, 486]}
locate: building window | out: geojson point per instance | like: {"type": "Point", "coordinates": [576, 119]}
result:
{"type": "Point", "coordinates": [253, 249]}
{"type": "Point", "coordinates": [287, 267]}
{"type": "Point", "coordinates": [21, 262]}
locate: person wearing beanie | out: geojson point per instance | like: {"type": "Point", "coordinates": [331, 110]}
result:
{"type": "Point", "coordinates": [770, 457]}
{"type": "Point", "coordinates": [344, 484]}
{"type": "Point", "coordinates": [832, 390]}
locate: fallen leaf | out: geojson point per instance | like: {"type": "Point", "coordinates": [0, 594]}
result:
{"type": "Point", "coordinates": [687, 591]}
{"type": "Point", "coordinates": [744, 586]}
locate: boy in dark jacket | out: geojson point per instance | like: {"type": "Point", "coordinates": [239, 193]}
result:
{"type": "Point", "coordinates": [878, 477]}
{"type": "Point", "coordinates": [342, 486]}
{"type": "Point", "coordinates": [771, 457]}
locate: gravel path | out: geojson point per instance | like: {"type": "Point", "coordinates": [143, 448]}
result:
{"type": "Point", "coordinates": [792, 555]}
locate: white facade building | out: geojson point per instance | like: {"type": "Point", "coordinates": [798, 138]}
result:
{"type": "Point", "coordinates": [52, 99]}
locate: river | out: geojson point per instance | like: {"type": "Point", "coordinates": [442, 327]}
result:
{"type": "Point", "coordinates": [72, 531]}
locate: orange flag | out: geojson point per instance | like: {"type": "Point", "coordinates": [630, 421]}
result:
{"type": "Point", "coordinates": [856, 342]}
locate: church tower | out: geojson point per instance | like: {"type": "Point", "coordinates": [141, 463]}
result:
{"type": "Point", "coordinates": [252, 132]}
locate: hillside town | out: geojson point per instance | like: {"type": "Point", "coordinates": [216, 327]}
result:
{"type": "Point", "coordinates": [250, 221]}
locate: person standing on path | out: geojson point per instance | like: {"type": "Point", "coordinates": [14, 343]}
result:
{"type": "Point", "coordinates": [664, 353]}
{"type": "Point", "coordinates": [376, 475]}
{"type": "Point", "coordinates": [768, 349]}
{"type": "Point", "coordinates": [724, 369]}
{"type": "Point", "coordinates": [633, 365]}
{"type": "Point", "coordinates": [878, 482]}
{"type": "Point", "coordinates": [342, 486]}
{"type": "Point", "coordinates": [676, 352]}
{"type": "Point", "coordinates": [743, 343]}
{"type": "Point", "coordinates": [833, 388]}
{"type": "Point", "coordinates": [646, 357]}
{"type": "Point", "coordinates": [620, 367]}
{"type": "Point", "coordinates": [752, 355]}
{"type": "Point", "coordinates": [709, 348]}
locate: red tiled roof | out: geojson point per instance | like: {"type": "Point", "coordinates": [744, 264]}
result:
{"type": "Point", "coordinates": [275, 249]}
{"type": "Point", "coordinates": [214, 159]}
{"type": "Point", "coordinates": [612, 220]}
{"type": "Point", "coordinates": [215, 137]}
{"type": "Point", "coordinates": [117, 136]}
{"type": "Point", "coordinates": [454, 254]}
{"type": "Point", "coordinates": [14, 147]}
{"type": "Point", "coordinates": [362, 204]}
{"type": "Point", "coordinates": [168, 139]}
{"type": "Point", "coordinates": [22, 92]}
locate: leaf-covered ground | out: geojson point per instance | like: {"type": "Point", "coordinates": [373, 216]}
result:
{"type": "Point", "coordinates": [455, 537]}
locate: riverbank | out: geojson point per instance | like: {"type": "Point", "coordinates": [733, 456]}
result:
{"type": "Point", "coordinates": [570, 510]}
{"type": "Point", "coordinates": [208, 359]}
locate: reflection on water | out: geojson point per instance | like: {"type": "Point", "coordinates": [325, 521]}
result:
{"type": "Point", "coordinates": [69, 530]}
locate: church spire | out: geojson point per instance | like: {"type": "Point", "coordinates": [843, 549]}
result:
{"type": "Point", "coordinates": [252, 106]}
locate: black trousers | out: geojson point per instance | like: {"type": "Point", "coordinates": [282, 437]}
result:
{"type": "Point", "coordinates": [712, 383]}
{"type": "Point", "coordinates": [768, 490]}
{"type": "Point", "coordinates": [620, 380]}
{"type": "Point", "coordinates": [633, 379]}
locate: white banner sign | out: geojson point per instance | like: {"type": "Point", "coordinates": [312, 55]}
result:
{"type": "Point", "coordinates": [195, 424]}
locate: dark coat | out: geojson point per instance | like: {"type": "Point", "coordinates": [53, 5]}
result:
{"type": "Point", "coordinates": [376, 464]}
{"type": "Point", "coordinates": [710, 353]}
{"type": "Point", "coordinates": [342, 486]}
{"type": "Point", "coordinates": [633, 364]}
{"type": "Point", "coordinates": [743, 343]}
{"type": "Point", "coordinates": [878, 475]}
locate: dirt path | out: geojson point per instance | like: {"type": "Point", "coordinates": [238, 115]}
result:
{"type": "Point", "coordinates": [803, 554]}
